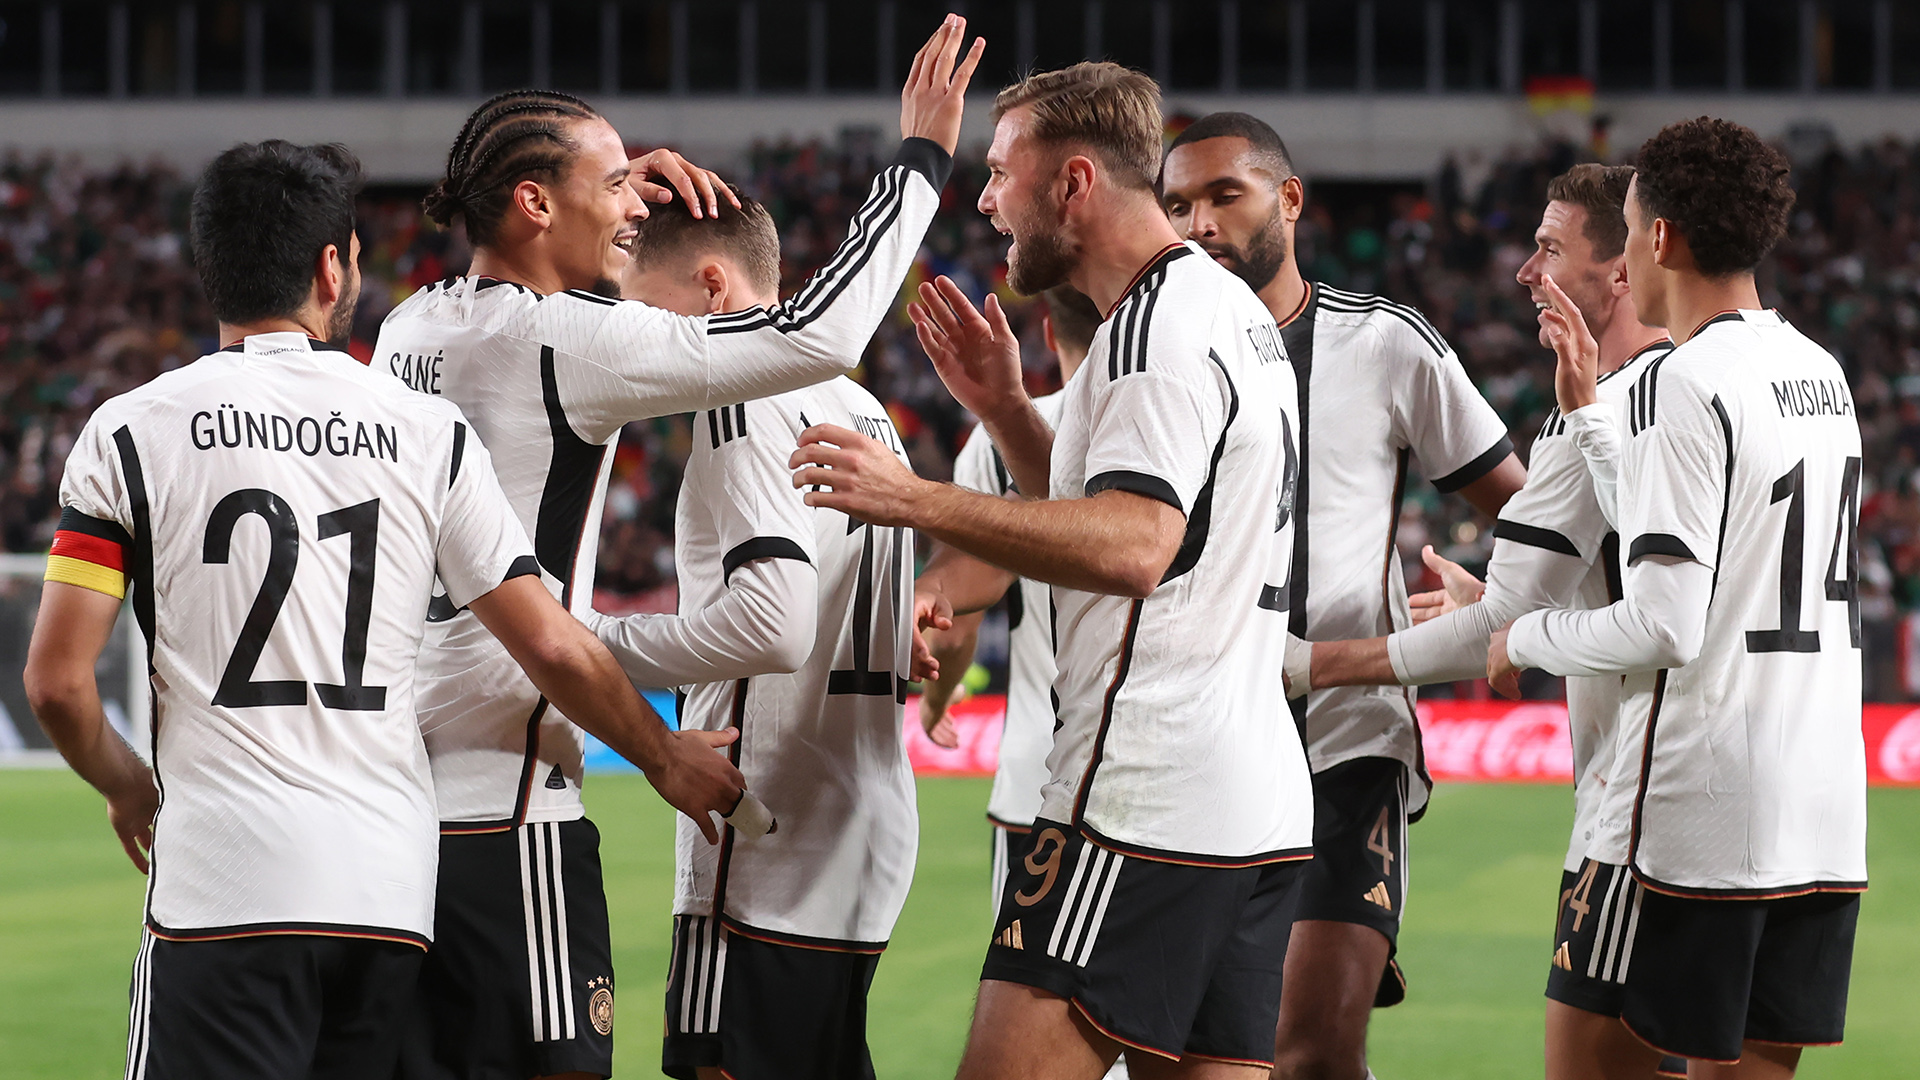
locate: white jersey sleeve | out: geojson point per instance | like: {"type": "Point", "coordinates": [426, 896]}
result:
{"type": "Point", "coordinates": [481, 542]}
{"type": "Point", "coordinates": [1437, 411]}
{"type": "Point", "coordinates": [1152, 432]}
{"type": "Point", "coordinates": [738, 499]}
{"type": "Point", "coordinates": [1598, 437]}
{"type": "Point", "coordinates": [627, 353]}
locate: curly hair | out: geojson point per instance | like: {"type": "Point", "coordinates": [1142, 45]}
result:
{"type": "Point", "coordinates": [1721, 186]}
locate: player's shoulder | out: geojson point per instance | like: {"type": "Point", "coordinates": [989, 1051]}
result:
{"type": "Point", "coordinates": [1399, 328]}
{"type": "Point", "coordinates": [1166, 319]}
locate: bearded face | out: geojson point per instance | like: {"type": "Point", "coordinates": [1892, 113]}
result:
{"type": "Point", "coordinates": [340, 326]}
{"type": "Point", "coordinates": [1260, 258]}
{"type": "Point", "coordinates": [1041, 256]}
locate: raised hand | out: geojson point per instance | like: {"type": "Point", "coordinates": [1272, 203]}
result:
{"type": "Point", "coordinates": [935, 94]}
{"type": "Point", "coordinates": [976, 355]}
{"type": "Point", "coordinates": [1576, 375]}
{"type": "Point", "coordinates": [701, 189]}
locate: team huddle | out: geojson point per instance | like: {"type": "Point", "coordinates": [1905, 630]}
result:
{"type": "Point", "coordinates": [367, 596]}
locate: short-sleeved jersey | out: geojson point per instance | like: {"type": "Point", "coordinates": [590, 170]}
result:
{"type": "Point", "coordinates": [1028, 731]}
{"type": "Point", "coordinates": [822, 746]}
{"type": "Point", "coordinates": [281, 512]}
{"type": "Point", "coordinates": [1558, 510]}
{"type": "Point", "coordinates": [1378, 384]}
{"type": "Point", "coordinates": [1743, 454]}
{"type": "Point", "coordinates": [548, 381]}
{"type": "Point", "coordinates": [1174, 742]}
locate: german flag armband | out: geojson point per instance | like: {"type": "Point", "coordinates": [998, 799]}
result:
{"type": "Point", "coordinates": [90, 553]}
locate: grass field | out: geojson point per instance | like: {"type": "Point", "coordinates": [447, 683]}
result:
{"type": "Point", "coordinates": [1485, 870]}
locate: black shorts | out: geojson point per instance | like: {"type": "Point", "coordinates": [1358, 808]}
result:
{"type": "Point", "coordinates": [1174, 959]}
{"type": "Point", "coordinates": [1708, 975]}
{"type": "Point", "coordinates": [519, 981]}
{"type": "Point", "coordinates": [1593, 937]}
{"type": "Point", "coordinates": [1359, 868]}
{"type": "Point", "coordinates": [292, 1005]}
{"type": "Point", "coordinates": [760, 1010]}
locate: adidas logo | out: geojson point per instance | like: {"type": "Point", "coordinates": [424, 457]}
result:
{"type": "Point", "coordinates": [1563, 958]}
{"type": "Point", "coordinates": [1378, 895]}
{"type": "Point", "coordinates": [1010, 937]}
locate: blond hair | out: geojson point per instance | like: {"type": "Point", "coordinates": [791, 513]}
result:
{"type": "Point", "coordinates": [1111, 110]}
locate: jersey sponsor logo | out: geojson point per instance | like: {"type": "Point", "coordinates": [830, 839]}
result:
{"type": "Point", "coordinates": [230, 428]}
{"type": "Point", "coordinates": [421, 372]}
{"type": "Point", "coordinates": [1378, 895]}
{"type": "Point", "coordinates": [1563, 957]}
{"type": "Point", "coordinates": [1012, 937]}
{"type": "Point", "coordinates": [1812, 397]}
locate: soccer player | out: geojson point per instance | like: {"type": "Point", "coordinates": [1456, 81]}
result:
{"type": "Point", "coordinates": [972, 585]}
{"type": "Point", "coordinates": [520, 982]}
{"type": "Point", "coordinates": [1377, 384]}
{"type": "Point", "coordinates": [1738, 501]}
{"type": "Point", "coordinates": [793, 631]}
{"type": "Point", "coordinates": [280, 513]}
{"type": "Point", "coordinates": [1148, 909]}
{"type": "Point", "coordinates": [1554, 546]}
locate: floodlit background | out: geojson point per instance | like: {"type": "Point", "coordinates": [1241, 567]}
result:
{"type": "Point", "coordinates": [1426, 130]}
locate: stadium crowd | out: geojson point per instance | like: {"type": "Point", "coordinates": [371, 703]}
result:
{"type": "Point", "coordinates": [97, 295]}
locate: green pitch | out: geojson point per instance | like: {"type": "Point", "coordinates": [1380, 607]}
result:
{"type": "Point", "coordinates": [1485, 873]}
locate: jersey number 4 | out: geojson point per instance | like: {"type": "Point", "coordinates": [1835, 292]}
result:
{"type": "Point", "coordinates": [1791, 489]}
{"type": "Point", "coordinates": [361, 524]}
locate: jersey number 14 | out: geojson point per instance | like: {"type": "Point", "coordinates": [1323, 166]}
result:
{"type": "Point", "coordinates": [1843, 565]}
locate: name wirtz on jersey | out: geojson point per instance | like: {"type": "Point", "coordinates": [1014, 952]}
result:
{"type": "Point", "coordinates": [1812, 397]}
{"type": "Point", "coordinates": [228, 427]}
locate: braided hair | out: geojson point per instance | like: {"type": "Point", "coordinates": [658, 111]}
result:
{"type": "Point", "coordinates": [510, 137]}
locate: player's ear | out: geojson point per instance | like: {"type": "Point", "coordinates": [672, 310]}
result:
{"type": "Point", "coordinates": [712, 278]}
{"type": "Point", "coordinates": [329, 276]}
{"type": "Point", "coordinates": [1664, 243]}
{"type": "Point", "coordinates": [1617, 276]}
{"type": "Point", "coordinates": [1293, 198]}
{"type": "Point", "coordinates": [530, 200]}
{"type": "Point", "coordinates": [1046, 332]}
{"type": "Point", "coordinates": [1078, 173]}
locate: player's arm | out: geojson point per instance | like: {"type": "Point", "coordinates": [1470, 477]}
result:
{"type": "Point", "coordinates": [485, 562]}
{"type": "Point", "coordinates": [952, 652]}
{"type": "Point", "coordinates": [766, 616]}
{"type": "Point", "coordinates": [978, 356]}
{"type": "Point", "coordinates": [1597, 435]}
{"type": "Point", "coordinates": [666, 363]}
{"type": "Point", "coordinates": [69, 634]}
{"type": "Point", "coordinates": [1675, 473]}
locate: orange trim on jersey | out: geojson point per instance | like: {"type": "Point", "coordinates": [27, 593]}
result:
{"type": "Point", "coordinates": [1703, 326]}
{"type": "Point", "coordinates": [400, 939]}
{"type": "Point", "coordinates": [1305, 299]}
{"type": "Point", "coordinates": [1128, 1043]}
{"type": "Point", "coordinates": [1737, 896]}
{"type": "Point", "coordinates": [1017, 830]}
{"type": "Point", "coordinates": [87, 574]}
{"type": "Point", "coordinates": [733, 927]}
{"type": "Point", "coordinates": [1142, 272]}
{"type": "Point", "coordinates": [1672, 1053]}
{"type": "Point", "coordinates": [1252, 1063]}
{"type": "Point", "coordinates": [477, 830]}
{"type": "Point", "coordinates": [1224, 863]}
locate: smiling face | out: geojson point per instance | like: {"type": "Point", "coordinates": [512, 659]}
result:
{"type": "Point", "coordinates": [1563, 251]}
{"type": "Point", "coordinates": [1216, 194]}
{"type": "Point", "coordinates": [593, 208]}
{"type": "Point", "coordinates": [1024, 199]}
{"type": "Point", "coordinates": [1643, 271]}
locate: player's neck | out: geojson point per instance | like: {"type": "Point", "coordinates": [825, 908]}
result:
{"type": "Point", "coordinates": [1117, 246]}
{"type": "Point", "coordinates": [1286, 293]}
{"type": "Point", "coordinates": [299, 323]}
{"type": "Point", "coordinates": [1692, 299]}
{"type": "Point", "coordinates": [523, 266]}
{"type": "Point", "coordinates": [1624, 336]}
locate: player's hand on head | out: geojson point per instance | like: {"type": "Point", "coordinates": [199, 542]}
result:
{"type": "Point", "coordinates": [1502, 674]}
{"type": "Point", "coordinates": [1458, 587]}
{"type": "Point", "coordinates": [698, 782]}
{"type": "Point", "coordinates": [935, 93]}
{"type": "Point", "coordinates": [855, 475]}
{"type": "Point", "coordinates": [1576, 373]}
{"type": "Point", "coordinates": [657, 176]}
{"type": "Point", "coordinates": [976, 354]}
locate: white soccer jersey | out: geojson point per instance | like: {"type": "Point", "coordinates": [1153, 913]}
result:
{"type": "Point", "coordinates": [548, 382]}
{"type": "Point", "coordinates": [822, 746]}
{"type": "Point", "coordinates": [1377, 384]}
{"type": "Point", "coordinates": [1174, 741]}
{"type": "Point", "coordinates": [283, 512]}
{"type": "Point", "coordinates": [1028, 732]}
{"type": "Point", "coordinates": [1743, 455]}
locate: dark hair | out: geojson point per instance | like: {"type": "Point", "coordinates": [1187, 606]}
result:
{"type": "Point", "coordinates": [1073, 315]}
{"type": "Point", "coordinates": [262, 214]}
{"type": "Point", "coordinates": [1722, 187]}
{"type": "Point", "coordinates": [747, 235]}
{"type": "Point", "coordinates": [1600, 190]}
{"type": "Point", "coordinates": [1111, 110]}
{"type": "Point", "coordinates": [1268, 149]}
{"type": "Point", "coordinates": [510, 137]}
